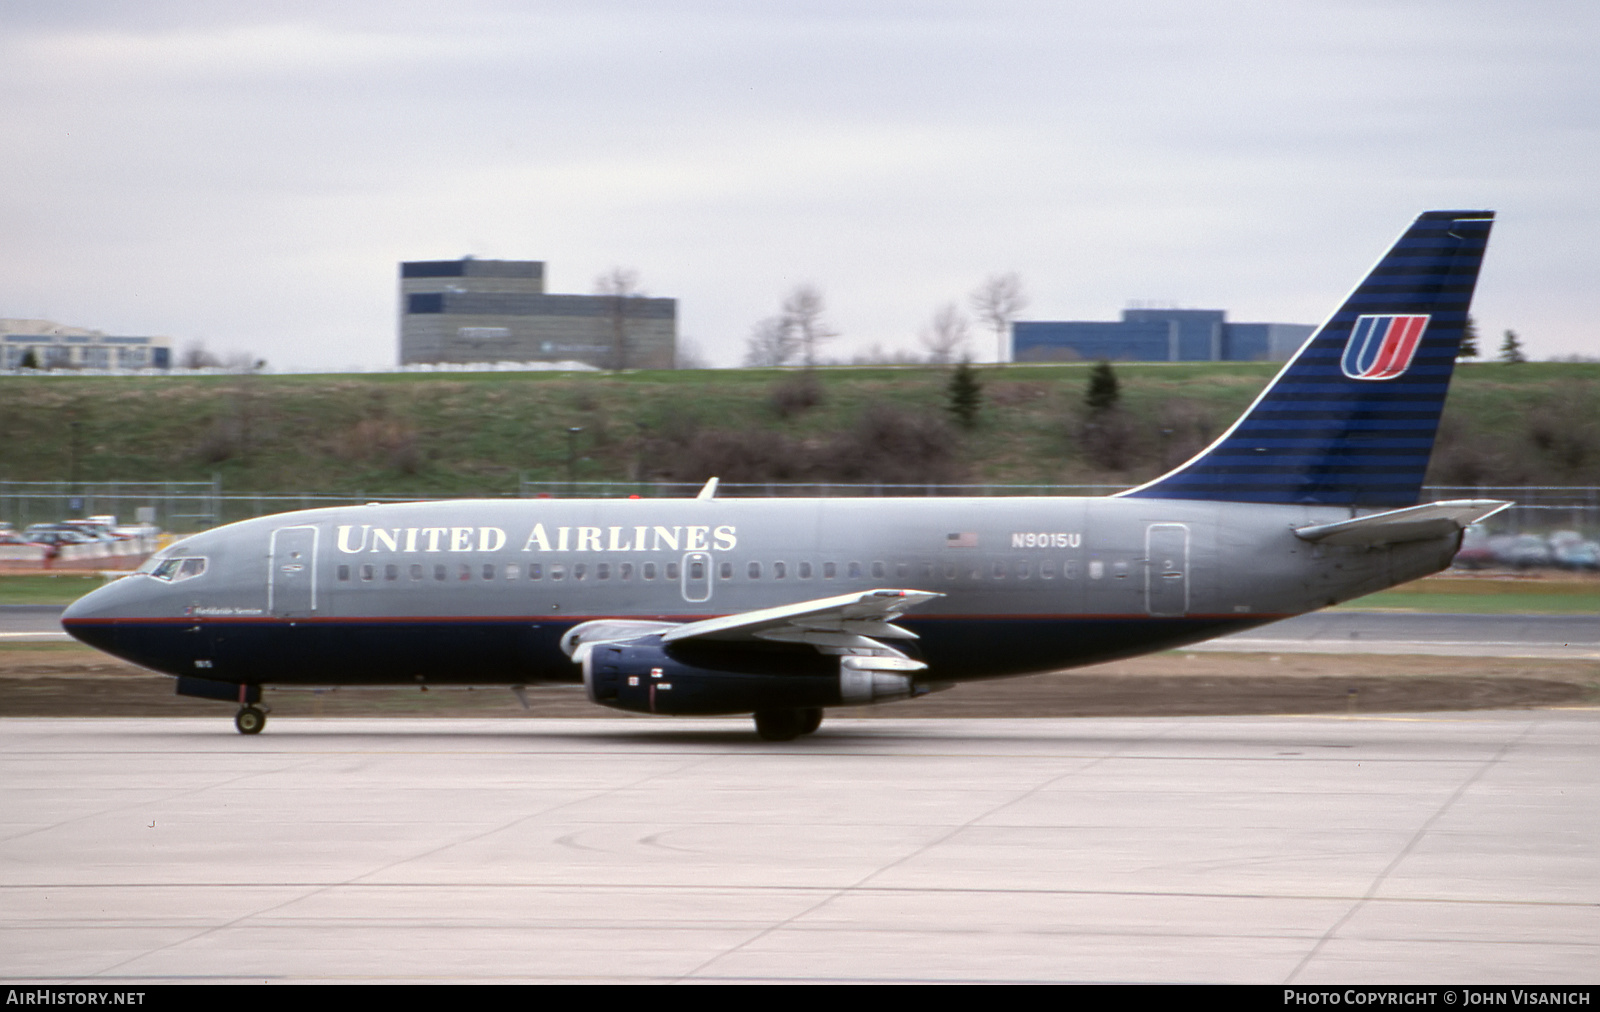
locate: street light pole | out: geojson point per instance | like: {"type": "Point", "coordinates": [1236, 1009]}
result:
{"type": "Point", "coordinates": [572, 458]}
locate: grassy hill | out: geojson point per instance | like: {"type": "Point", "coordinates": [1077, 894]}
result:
{"type": "Point", "coordinates": [478, 433]}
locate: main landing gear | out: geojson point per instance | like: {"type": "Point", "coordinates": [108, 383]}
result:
{"type": "Point", "coordinates": [250, 719]}
{"type": "Point", "coordinates": [787, 725]}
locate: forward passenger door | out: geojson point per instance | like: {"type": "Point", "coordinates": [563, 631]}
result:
{"type": "Point", "coordinates": [292, 572]}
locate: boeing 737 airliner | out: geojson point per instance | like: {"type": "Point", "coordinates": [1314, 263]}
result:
{"type": "Point", "coordinates": [781, 608]}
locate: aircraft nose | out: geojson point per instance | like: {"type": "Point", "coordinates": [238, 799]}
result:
{"type": "Point", "coordinates": [90, 619]}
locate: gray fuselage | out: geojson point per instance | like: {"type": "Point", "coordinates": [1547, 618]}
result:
{"type": "Point", "coordinates": [480, 591]}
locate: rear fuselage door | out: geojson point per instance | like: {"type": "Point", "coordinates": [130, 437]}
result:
{"type": "Point", "coordinates": [697, 576]}
{"type": "Point", "coordinates": [1166, 571]}
{"type": "Point", "coordinates": [292, 572]}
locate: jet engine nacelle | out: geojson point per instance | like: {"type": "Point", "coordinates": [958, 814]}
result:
{"type": "Point", "coordinates": [646, 677]}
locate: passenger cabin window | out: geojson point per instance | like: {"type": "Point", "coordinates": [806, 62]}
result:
{"type": "Point", "coordinates": [779, 570]}
{"type": "Point", "coordinates": [725, 571]}
{"type": "Point", "coordinates": [805, 570]}
{"type": "Point", "coordinates": [535, 571]}
{"type": "Point", "coordinates": [755, 570]}
{"type": "Point", "coordinates": [649, 571]}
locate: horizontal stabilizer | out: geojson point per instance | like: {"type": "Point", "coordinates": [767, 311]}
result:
{"type": "Point", "coordinates": [1414, 523]}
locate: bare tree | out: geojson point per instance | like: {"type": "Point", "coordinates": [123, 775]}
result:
{"type": "Point", "coordinates": [195, 356]}
{"type": "Point", "coordinates": [997, 302]}
{"type": "Point", "coordinates": [687, 355]}
{"type": "Point", "coordinates": [770, 343]}
{"type": "Point", "coordinates": [879, 355]}
{"type": "Point", "coordinates": [802, 315]}
{"type": "Point", "coordinates": [947, 335]}
{"type": "Point", "coordinates": [244, 362]}
{"type": "Point", "coordinates": [618, 286]}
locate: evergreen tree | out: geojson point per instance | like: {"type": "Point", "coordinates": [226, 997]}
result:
{"type": "Point", "coordinates": [1511, 348]}
{"type": "Point", "coordinates": [1469, 340]}
{"type": "Point", "coordinates": [966, 394]}
{"type": "Point", "coordinates": [29, 360]}
{"type": "Point", "coordinates": [1103, 392]}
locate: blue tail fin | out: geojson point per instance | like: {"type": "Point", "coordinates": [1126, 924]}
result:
{"type": "Point", "coordinates": [1351, 419]}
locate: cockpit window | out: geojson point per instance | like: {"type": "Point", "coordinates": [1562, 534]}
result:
{"type": "Point", "coordinates": [178, 569]}
{"type": "Point", "coordinates": [176, 550]}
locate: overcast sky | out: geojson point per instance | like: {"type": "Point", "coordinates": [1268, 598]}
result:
{"type": "Point", "coordinates": [249, 174]}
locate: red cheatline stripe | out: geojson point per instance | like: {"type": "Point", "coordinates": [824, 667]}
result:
{"type": "Point", "coordinates": [575, 619]}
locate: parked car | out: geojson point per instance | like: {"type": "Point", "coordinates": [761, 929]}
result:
{"type": "Point", "coordinates": [1475, 552]}
{"type": "Point", "coordinates": [100, 530]}
{"type": "Point", "coordinates": [49, 534]}
{"type": "Point", "coordinates": [1570, 550]}
{"type": "Point", "coordinates": [1524, 551]}
{"type": "Point", "coordinates": [63, 534]}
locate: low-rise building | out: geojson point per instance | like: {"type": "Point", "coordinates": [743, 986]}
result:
{"type": "Point", "coordinates": [472, 310]}
{"type": "Point", "coordinates": [1157, 335]}
{"type": "Point", "coordinates": [57, 346]}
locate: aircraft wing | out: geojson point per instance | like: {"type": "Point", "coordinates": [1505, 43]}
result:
{"type": "Point", "coordinates": [846, 624]}
{"type": "Point", "coordinates": [847, 621]}
{"type": "Point", "coordinates": [1414, 523]}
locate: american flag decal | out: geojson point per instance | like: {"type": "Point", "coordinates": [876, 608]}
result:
{"type": "Point", "coordinates": [1380, 347]}
{"type": "Point", "coordinates": [964, 539]}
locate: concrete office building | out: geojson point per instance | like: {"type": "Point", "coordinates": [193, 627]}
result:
{"type": "Point", "coordinates": [57, 346]}
{"type": "Point", "coordinates": [472, 310]}
{"type": "Point", "coordinates": [1157, 335]}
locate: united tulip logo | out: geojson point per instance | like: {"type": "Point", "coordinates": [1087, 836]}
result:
{"type": "Point", "coordinates": [1380, 347]}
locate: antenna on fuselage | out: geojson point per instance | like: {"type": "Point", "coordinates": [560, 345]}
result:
{"type": "Point", "coordinates": [710, 491]}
